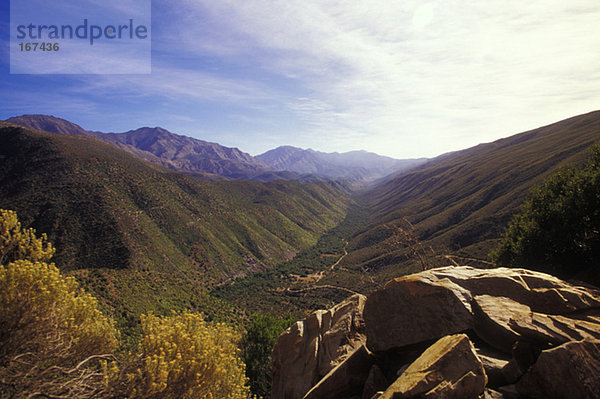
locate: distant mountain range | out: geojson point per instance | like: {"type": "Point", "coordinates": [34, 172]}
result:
{"type": "Point", "coordinates": [353, 165]}
{"type": "Point", "coordinates": [212, 161]}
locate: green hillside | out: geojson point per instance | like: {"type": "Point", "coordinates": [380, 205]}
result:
{"type": "Point", "coordinates": [461, 202]}
{"type": "Point", "coordinates": [143, 237]}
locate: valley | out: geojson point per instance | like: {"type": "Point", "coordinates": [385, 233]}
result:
{"type": "Point", "coordinates": [142, 236]}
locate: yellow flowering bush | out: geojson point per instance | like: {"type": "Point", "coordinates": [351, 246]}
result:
{"type": "Point", "coordinates": [182, 356]}
{"type": "Point", "coordinates": [18, 243]}
{"type": "Point", "coordinates": [55, 342]}
{"type": "Point", "coordinates": [51, 332]}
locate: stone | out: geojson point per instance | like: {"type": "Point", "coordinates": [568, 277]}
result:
{"type": "Point", "coordinates": [311, 348]}
{"type": "Point", "coordinates": [500, 322]}
{"type": "Point", "coordinates": [492, 316]}
{"type": "Point", "coordinates": [375, 382]}
{"type": "Point", "coordinates": [542, 292]}
{"type": "Point", "coordinates": [448, 369]}
{"type": "Point", "coordinates": [524, 355]}
{"type": "Point", "coordinates": [346, 379]}
{"type": "Point", "coordinates": [553, 330]}
{"type": "Point", "coordinates": [493, 364]}
{"type": "Point", "coordinates": [509, 392]}
{"type": "Point", "coordinates": [415, 325]}
{"type": "Point", "coordinates": [501, 305]}
{"type": "Point", "coordinates": [570, 370]}
{"type": "Point", "coordinates": [414, 309]}
{"type": "Point", "coordinates": [491, 394]}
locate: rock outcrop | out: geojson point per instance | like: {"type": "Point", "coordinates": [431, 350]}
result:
{"type": "Point", "coordinates": [346, 379]}
{"type": "Point", "coordinates": [440, 301]}
{"type": "Point", "coordinates": [311, 348]}
{"type": "Point", "coordinates": [453, 332]}
{"type": "Point", "coordinates": [571, 370]}
{"type": "Point", "coordinates": [447, 369]}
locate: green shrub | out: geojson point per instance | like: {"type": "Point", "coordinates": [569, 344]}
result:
{"type": "Point", "coordinates": [257, 345]}
{"type": "Point", "coordinates": [557, 229]}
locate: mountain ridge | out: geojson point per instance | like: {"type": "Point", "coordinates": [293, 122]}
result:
{"type": "Point", "coordinates": [361, 165]}
{"type": "Point", "coordinates": [212, 161]}
{"type": "Point", "coordinates": [144, 237]}
{"type": "Point", "coordinates": [461, 202]}
{"type": "Point", "coordinates": [162, 147]}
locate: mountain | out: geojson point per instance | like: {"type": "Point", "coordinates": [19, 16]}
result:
{"type": "Point", "coordinates": [454, 208]}
{"type": "Point", "coordinates": [461, 202]}
{"type": "Point", "coordinates": [157, 145]}
{"type": "Point", "coordinates": [212, 161]}
{"type": "Point", "coordinates": [355, 165]}
{"type": "Point", "coordinates": [143, 237]}
{"type": "Point", "coordinates": [49, 124]}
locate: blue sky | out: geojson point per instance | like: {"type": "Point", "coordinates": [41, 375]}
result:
{"type": "Point", "coordinates": [399, 78]}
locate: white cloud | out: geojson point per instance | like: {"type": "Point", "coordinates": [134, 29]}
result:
{"type": "Point", "coordinates": [422, 76]}
{"type": "Point", "coordinates": [409, 78]}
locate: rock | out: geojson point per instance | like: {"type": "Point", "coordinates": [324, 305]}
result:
{"type": "Point", "coordinates": [501, 321]}
{"type": "Point", "coordinates": [570, 370]}
{"type": "Point", "coordinates": [492, 317]}
{"type": "Point", "coordinates": [375, 382]}
{"type": "Point", "coordinates": [491, 394]}
{"type": "Point", "coordinates": [554, 330]}
{"type": "Point", "coordinates": [414, 309]}
{"type": "Point", "coordinates": [311, 348]}
{"type": "Point", "coordinates": [500, 304]}
{"type": "Point", "coordinates": [493, 364]}
{"type": "Point", "coordinates": [542, 292]}
{"type": "Point", "coordinates": [523, 355]}
{"type": "Point", "coordinates": [511, 314]}
{"type": "Point", "coordinates": [346, 379]}
{"type": "Point", "coordinates": [447, 369]}
{"type": "Point", "coordinates": [509, 392]}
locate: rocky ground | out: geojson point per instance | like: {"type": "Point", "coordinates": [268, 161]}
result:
{"type": "Point", "coordinates": [452, 332]}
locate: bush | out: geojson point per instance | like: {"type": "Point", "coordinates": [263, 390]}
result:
{"type": "Point", "coordinates": [54, 342]}
{"type": "Point", "coordinates": [18, 243]}
{"type": "Point", "coordinates": [557, 229]}
{"type": "Point", "coordinates": [51, 332]}
{"type": "Point", "coordinates": [182, 356]}
{"type": "Point", "coordinates": [257, 346]}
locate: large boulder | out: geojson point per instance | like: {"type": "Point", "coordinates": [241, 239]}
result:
{"type": "Point", "coordinates": [449, 300]}
{"type": "Point", "coordinates": [571, 370]}
{"type": "Point", "coordinates": [501, 321]}
{"type": "Point", "coordinates": [346, 379]}
{"type": "Point", "coordinates": [448, 369]}
{"type": "Point", "coordinates": [514, 318]}
{"type": "Point", "coordinates": [415, 309]}
{"type": "Point", "coordinates": [312, 347]}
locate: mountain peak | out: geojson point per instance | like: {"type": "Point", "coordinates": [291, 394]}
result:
{"type": "Point", "coordinates": [160, 146]}
{"type": "Point", "coordinates": [48, 123]}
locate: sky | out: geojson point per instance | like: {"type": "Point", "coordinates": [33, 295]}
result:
{"type": "Point", "coordinates": [405, 79]}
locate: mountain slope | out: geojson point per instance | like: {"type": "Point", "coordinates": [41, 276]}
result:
{"type": "Point", "coordinates": [355, 165]}
{"type": "Point", "coordinates": [136, 232]}
{"type": "Point", "coordinates": [462, 201]}
{"type": "Point", "coordinates": [159, 146]}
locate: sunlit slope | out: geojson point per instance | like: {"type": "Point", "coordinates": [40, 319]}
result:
{"type": "Point", "coordinates": [102, 207]}
{"type": "Point", "coordinates": [462, 201]}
